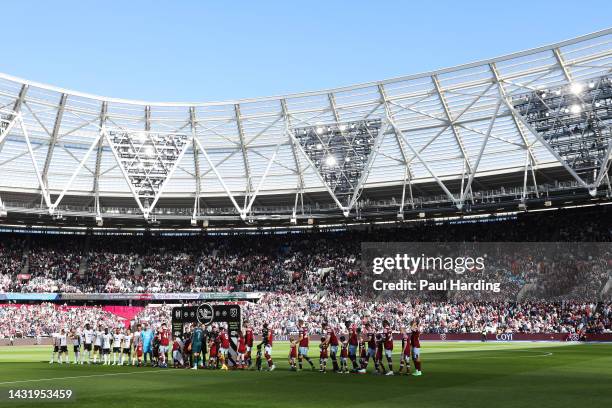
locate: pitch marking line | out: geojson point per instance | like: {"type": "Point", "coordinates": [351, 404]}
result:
{"type": "Point", "coordinates": [80, 376]}
{"type": "Point", "coordinates": [546, 354]}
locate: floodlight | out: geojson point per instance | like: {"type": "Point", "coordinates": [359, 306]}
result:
{"type": "Point", "coordinates": [330, 161]}
{"type": "Point", "coordinates": [575, 109]}
{"type": "Point", "coordinates": [576, 88]}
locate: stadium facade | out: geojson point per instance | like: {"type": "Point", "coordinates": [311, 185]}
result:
{"type": "Point", "coordinates": [523, 131]}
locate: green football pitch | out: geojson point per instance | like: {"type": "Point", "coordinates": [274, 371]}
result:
{"type": "Point", "coordinates": [454, 375]}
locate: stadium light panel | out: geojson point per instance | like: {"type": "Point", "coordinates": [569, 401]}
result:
{"type": "Point", "coordinates": [330, 161]}
{"type": "Point", "coordinates": [576, 88]}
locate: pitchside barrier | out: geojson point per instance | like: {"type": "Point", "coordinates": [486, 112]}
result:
{"type": "Point", "coordinates": [502, 337]}
{"type": "Point", "coordinates": [603, 337]}
{"type": "Point", "coordinates": [207, 314]}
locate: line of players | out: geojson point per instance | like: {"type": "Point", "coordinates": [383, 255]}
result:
{"type": "Point", "coordinates": [125, 347]}
{"type": "Point", "coordinates": [360, 347]}
{"type": "Point", "coordinates": [144, 343]}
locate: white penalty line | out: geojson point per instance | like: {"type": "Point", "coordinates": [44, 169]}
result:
{"type": "Point", "coordinates": [80, 376]}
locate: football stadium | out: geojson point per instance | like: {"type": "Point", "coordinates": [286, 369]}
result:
{"type": "Point", "coordinates": [437, 239]}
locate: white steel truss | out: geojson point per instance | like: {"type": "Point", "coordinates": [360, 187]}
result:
{"type": "Point", "coordinates": [342, 153]}
{"type": "Point", "coordinates": [148, 160]}
{"type": "Point", "coordinates": [443, 131]}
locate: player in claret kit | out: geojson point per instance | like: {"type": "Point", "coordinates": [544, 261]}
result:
{"type": "Point", "coordinates": [248, 339]}
{"type": "Point", "coordinates": [164, 344]}
{"type": "Point", "coordinates": [405, 357]}
{"type": "Point", "coordinates": [293, 353]}
{"type": "Point", "coordinates": [353, 344]}
{"type": "Point", "coordinates": [138, 353]}
{"type": "Point", "coordinates": [363, 354]}
{"type": "Point", "coordinates": [177, 353]}
{"type": "Point", "coordinates": [213, 346]}
{"type": "Point", "coordinates": [415, 343]}
{"type": "Point", "coordinates": [343, 355]}
{"type": "Point", "coordinates": [332, 341]}
{"type": "Point", "coordinates": [224, 345]}
{"type": "Point", "coordinates": [303, 345]}
{"type": "Point", "coordinates": [268, 337]}
{"type": "Point", "coordinates": [388, 345]}
{"type": "Point", "coordinates": [378, 364]}
{"type": "Point", "coordinates": [323, 355]}
{"type": "Point", "coordinates": [370, 338]}
{"type": "Point", "coordinates": [242, 349]}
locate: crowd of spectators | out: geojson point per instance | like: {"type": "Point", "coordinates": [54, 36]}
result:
{"type": "Point", "coordinates": [44, 319]}
{"type": "Point", "coordinates": [313, 275]}
{"type": "Point", "coordinates": [265, 262]}
{"type": "Point", "coordinates": [282, 312]}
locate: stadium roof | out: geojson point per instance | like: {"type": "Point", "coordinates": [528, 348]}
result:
{"type": "Point", "coordinates": [440, 136]}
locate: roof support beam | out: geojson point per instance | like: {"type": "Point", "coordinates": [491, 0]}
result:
{"type": "Point", "coordinates": [545, 144]}
{"type": "Point", "coordinates": [245, 156]}
{"type": "Point", "coordinates": [54, 137]}
{"type": "Point", "coordinates": [480, 153]}
{"type": "Point", "coordinates": [96, 186]}
{"type": "Point", "coordinates": [561, 62]}
{"type": "Point", "coordinates": [458, 138]}
{"type": "Point", "coordinates": [16, 109]}
{"type": "Point", "coordinates": [517, 125]}
{"type": "Point", "coordinates": [332, 104]}
{"type": "Point", "coordinates": [423, 162]}
{"type": "Point", "coordinates": [298, 166]}
{"type": "Point", "coordinates": [400, 142]}
{"type": "Point", "coordinates": [147, 118]}
{"type": "Point", "coordinates": [43, 187]}
{"type": "Point", "coordinates": [196, 161]}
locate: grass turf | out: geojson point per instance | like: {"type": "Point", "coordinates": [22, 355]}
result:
{"type": "Point", "coordinates": [455, 374]}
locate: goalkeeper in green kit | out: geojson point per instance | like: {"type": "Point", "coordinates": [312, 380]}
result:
{"type": "Point", "coordinates": [197, 339]}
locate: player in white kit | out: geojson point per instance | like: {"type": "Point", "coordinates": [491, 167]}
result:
{"type": "Point", "coordinates": [98, 334]}
{"type": "Point", "coordinates": [55, 349]}
{"type": "Point", "coordinates": [75, 337]}
{"type": "Point", "coordinates": [88, 338]}
{"type": "Point", "coordinates": [127, 348]}
{"type": "Point", "coordinates": [107, 339]}
{"type": "Point", "coordinates": [63, 346]}
{"type": "Point", "coordinates": [117, 343]}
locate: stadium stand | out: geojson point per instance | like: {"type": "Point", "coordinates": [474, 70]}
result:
{"type": "Point", "coordinates": [283, 265]}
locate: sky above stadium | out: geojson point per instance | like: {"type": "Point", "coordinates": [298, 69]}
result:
{"type": "Point", "coordinates": [209, 51]}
